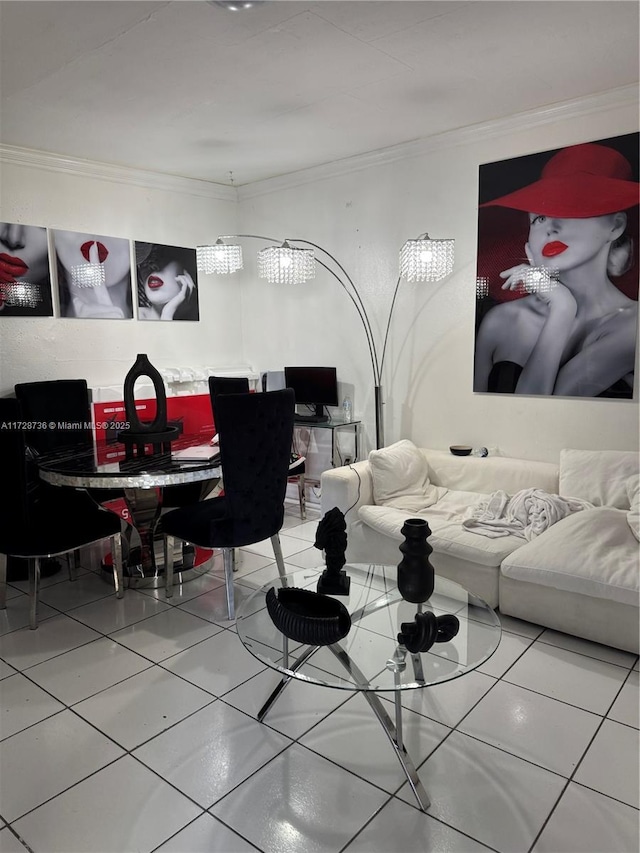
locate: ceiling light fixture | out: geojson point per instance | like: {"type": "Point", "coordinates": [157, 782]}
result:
{"type": "Point", "coordinates": [236, 5]}
{"type": "Point", "coordinates": [425, 259]}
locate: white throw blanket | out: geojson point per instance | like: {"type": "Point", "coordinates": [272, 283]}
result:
{"type": "Point", "coordinates": [527, 514]}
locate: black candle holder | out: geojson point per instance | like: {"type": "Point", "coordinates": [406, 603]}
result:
{"type": "Point", "coordinates": [158, 433]}
{"type": "Point", "coordinates": [308, 617]}
{"type": "Point", "coordinates": [427, 629]}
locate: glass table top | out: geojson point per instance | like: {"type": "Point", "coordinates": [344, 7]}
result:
{"type": "Point", "coordinates": [377, 611]}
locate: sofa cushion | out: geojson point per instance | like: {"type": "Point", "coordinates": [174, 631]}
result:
{"type": "Point", "coordinates": [598, 476]}
{"type": "Point", "coordinates": [400, 475]}
{"type": "Point", "coordinates": [633, 515]}
{"type": "Point", "coordinates": [447, 534]}
{"type": "Point", "coordinates": [592, 553]}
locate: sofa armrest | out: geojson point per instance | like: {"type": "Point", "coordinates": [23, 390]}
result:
{"type": "Point", "coordinates": [348, 488]}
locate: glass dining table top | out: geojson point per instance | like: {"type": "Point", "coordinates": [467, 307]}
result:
{"type": "Point", "coordinates": [377, 612]}
{"type": "Point", "coordinates": [84, 467]}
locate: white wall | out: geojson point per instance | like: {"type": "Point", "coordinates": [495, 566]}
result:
{"type": "Point", "coordinates": [363, 217]}
{"type": "Point", "coordinates": [173, 212]}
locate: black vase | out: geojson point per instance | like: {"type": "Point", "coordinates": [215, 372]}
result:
{"type": "Point", "coordinates": [415, 572]}
{"type": "Point", "coordinates": [143, 367]}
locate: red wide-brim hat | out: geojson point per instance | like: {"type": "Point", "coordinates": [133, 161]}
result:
{"type": "Point", "coordinates": [578, 182]}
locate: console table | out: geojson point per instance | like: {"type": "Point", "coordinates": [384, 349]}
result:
{"type": "Point", "coordinates": [336, 425]}
{"type": "Point", "coordinates": [372, 661]}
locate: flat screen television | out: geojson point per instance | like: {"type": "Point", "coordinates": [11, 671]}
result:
{"type": "Point", "coordinates": [314, 386]}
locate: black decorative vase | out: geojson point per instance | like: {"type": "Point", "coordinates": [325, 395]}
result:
{"type": "Point", "coordinates": [308, 617]}
{"type": "Point", "coordinates": [415, 572]}
{"type": "Point", "coordinates": [139, 433]}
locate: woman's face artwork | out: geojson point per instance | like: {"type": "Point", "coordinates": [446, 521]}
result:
{"type": "Point", "coordinates": [161, 286]}
{"type": "Point", "coordinates": [565, 244]}
{"type": "Point", "coordinates": [23, 253]}
{"type": "Point", "coordinates": [74, 249]}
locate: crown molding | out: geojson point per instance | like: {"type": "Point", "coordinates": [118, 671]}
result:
{"type": "Point", "coordinates": [117, 174]}
{"type": "Point", "coordinates": [577, 108]}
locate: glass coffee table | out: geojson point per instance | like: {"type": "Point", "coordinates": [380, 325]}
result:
{"type": "Point", "coordinates": [370, 659]}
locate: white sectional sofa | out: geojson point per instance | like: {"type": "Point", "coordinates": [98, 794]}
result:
{"type": "Point", "coordinates": [580, 575]}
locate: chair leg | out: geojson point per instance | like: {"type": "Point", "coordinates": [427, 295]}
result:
{"type": "Point", "coordinates": [73, 562]}
{"type": "Point", "coordinates": [168, 565]}
{"type": "Point", "coordinates": [227, 557]}
{"type": "Point", "coordinates": [116, 558]}
{"type": "Point", "coordinates": [302, 497]}
{"type": "Point", "coordinates": [34, 591]}
{"type": "Point", "coordinates": [277, 550]}
{"type": "Point", "coordinates": [3, 581]}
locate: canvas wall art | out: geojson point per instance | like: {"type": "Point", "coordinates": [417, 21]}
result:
{"type": "Point", "coordinates": [557, 272]}
{"type": "Point", "coordinates": [167, 282]}
{"type": "Point", "coordinates": [25, 279]}
{"type": "Point", "coordinates": [94, 276]}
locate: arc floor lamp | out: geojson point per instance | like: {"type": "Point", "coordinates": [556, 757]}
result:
{"type": "Point", "coordinates": [293, 261]}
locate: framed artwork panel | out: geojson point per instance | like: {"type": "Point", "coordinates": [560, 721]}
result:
{"type": "Point", "coordinates": [167, 281]}
{"type": "Point", "coordinates": [25, 278]}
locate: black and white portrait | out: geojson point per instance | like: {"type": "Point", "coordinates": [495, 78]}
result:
{"type": "Point", "coordinates": [557, 276]}
{"type": "Point", "coordinates": [167, 282]}
{"type": "Point", "coordinates": [25, 279]}
{"type": "Point", "coordinates": [94, 276]}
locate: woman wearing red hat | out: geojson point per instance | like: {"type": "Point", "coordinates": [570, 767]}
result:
{"type": "Point", "coordinates": [574, 334]}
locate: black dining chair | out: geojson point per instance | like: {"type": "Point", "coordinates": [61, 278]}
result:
{"type": "Point", "coordinates": [239, 385]}
{"type": "Point", "coordinates": [255, 445]}
{"type": "Point", "coordinates": [38, 522]}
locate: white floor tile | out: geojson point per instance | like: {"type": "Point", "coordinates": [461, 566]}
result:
{"type": "Point", "coordinates": [289, 544]}
{"type": "Point", "coordinates": [186, 591]}
{"type": "Point", "coordinates": [13, 592]}
{"type": "Point", "coordinates": [87, 670]}
{"type": "Point", "coordinates": [398, 827]}
{"type": "Point", "coordinates": [6, 670]}
{"type": "Point", "coordinates": [52, 637]}
{"type": "Point", "coordinates": [52, 756]}
{"type": "Point", "coordinates": [532, 726]}
{"type": "Point", "coordinates": [498, 799]}
{"type": "Point", "coordinates": [22, 704]}
{"type": "Point", "coordinates": [16, 614]}
{"type": "Point", "coordinates": [143, 811]}
{"type": "Point", "coordinates": [300, 802]}
{"type": "Point", "coordinates": [248, 561]}
{"type": "Point", "coordinates": [141, 707]}
{"type": "Point", "coordinates": [86, 588]}
{"type": "Point", "coordinates": [310, 558]}
{"type": "Point", "coordinates": [9, 843]}
{"type": "Point", "coordinates": [211, 752]}
{"type": "Point", "coordinates": [354, 738]}
{"type": "Point", "coordinates": [217, 665]}
{"type": "Point", "coordinates": [574, 678]}
{"type": "Point", "coordinates": [205, 835]}
{"type": "Point", "coordinates": [213, 605]}
{"type": "Point", "coordinates": [587, 822]}
{"type": "Point", "coordinates": [586, 647]}
{"type": "Point", "coordinates": [165, 634]}
{"type": "Point", "coordinates": [510, 649]}
{"type": "Point", "coordinates": [307, 531]}
{"type": "Point", "coordinates": [296, 710]}
{"type": "Point", "coordinates": [627, 705]}
{"type": "Point", "coordinates": [111, 614]}
{"type": "Point", "coordinates": [519, 626]}
{"type": "Point", "coordinates": [611, 763]}
{"type": "Point", "coordinates": [449, 701]}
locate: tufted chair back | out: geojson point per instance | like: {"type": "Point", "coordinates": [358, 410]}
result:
{"type": "Point", "coordinates": [63, 401]}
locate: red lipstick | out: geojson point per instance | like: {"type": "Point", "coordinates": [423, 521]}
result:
{"type": "Point", "coordinates": [550, 250]}
{"type": "Point", "coordinates": [154, 282]}
{"type": "Point", "coordinates": [11, 268]}
{"type": "Point", "coordinates": [103, 252]}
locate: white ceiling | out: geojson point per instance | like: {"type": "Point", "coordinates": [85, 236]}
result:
{"type": "Point", "coordinates": [189, 88]}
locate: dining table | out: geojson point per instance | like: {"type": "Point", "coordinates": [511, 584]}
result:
{"type": "Point", "coordinates": [187, 472]}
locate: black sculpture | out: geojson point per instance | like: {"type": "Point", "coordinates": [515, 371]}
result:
{"type": "Point", "coordinates": [156, 432]}
{"type": "Point", "coordinates": [331, 537]}
{"type": "Point", "coordinates": [308, 617]}
{"type": "Point", "coordinates": [427, 629]}
{"type": "Point", "coordinates": [415, 572]}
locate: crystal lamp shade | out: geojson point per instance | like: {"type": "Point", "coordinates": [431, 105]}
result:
{"type": "Point", "coordinates": [425, 259]}
{"type": "Point", "coordinates": [286, 264]}
{"type": "Point", "coordinates": [21, 294]}
{"type": "Point", "coordinates": [220, 258]}
{"type": "Point", "coordinates": [88, 275]}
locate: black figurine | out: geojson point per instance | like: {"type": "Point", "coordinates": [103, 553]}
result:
{"type": "Point", "coordinates": [427, 629]}
{"type": "Point", "coordinates": [331, 537]}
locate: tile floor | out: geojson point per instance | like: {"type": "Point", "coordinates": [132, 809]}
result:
{"type": "Point", "coordinates": [131, 726]}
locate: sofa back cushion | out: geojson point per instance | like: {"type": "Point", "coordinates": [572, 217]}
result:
{"type": "Point", "coordinates": [488, 474]}
{"type": "Point", "coordinates": [598, 476]}
{"type": "Point", "coordinates": [400, 475]}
